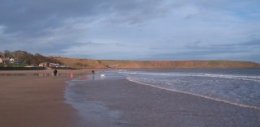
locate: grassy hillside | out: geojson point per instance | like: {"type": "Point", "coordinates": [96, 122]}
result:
{"type": "Point", "coordinates": [25, 58]}
{"type": "Point", "coordinates": [87, 63]}
{"type": "Point", "coordinates": [180, 64]}
{"type": "Point", "coordinates": [80, 63]}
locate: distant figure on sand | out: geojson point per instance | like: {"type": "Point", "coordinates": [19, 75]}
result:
{"type": "Point", "coordinates": [93, 74]}
{"type": "Point", "coordinates": [55, 72]}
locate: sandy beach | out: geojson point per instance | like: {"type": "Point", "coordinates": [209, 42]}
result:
{"type": "Point", "coordinates": [35, 99]}
{"type": "Point", "coordinates": [119, 102]}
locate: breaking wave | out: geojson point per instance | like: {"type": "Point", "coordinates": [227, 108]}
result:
{"type": "Point", "coordinates": [242, 90]}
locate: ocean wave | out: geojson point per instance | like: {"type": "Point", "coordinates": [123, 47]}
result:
{"type": "Point", "coordinates": [193, 93]}
{"type": "Point", "coordinates": [180, 74]}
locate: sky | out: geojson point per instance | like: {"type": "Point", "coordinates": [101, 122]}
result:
{"type": "Point", "coordinates": [133, 29]}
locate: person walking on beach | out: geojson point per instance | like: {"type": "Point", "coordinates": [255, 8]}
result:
{"type": "Point", "coordinates": [93, 74]}
{"type": "Point", "coordinates": [55, 72]}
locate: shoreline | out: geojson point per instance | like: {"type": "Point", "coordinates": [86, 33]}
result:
{"type": "Point", "coordinates": [124, 103]}
{"type": "Point", "coordinates": [198, 95]}
{"type": "Point", "coordinates": [31, 100]}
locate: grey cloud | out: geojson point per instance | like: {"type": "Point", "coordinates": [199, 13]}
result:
{"type": "Point", "coordinates": [35, 15]}
{"type": "Point", "coordinates": [132, 27]}
{"type": "Point", "coordinates": [255, 42]}
{"type": "Point", "coordinates": [225, 47]}
{"type": "Point", "coordinates": [101, 44]}
{"type": "Point", "coordinates": [32, 22]}
{"type": "Point", "coordinates": [48, 48]}
{"type": "Point", "coordinates": [248, 50]}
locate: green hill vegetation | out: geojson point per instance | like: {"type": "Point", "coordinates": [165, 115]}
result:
{"type": "Point", "coordinates": [23, 58]}
{"type": "Point", "coordinates": [125, 64]}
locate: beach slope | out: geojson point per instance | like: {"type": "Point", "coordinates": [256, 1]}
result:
{"type": "Point", "coordinates": [119, 102]}
{"type": "Point", "coordinates": [32, 101]}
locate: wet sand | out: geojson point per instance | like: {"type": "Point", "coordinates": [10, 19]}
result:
{"type": "Point", "coordinates": [134, 105]}
{"type": "Point", "coordinates": [35, 99]}
{"type": "Point", "coordinates": [30, 100]}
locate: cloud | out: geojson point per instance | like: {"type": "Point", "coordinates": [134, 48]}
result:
{"type": "Point", "coordinates": [31, 15]}
{"type": "Point", "coordinates": [63, 23]}
{"type": "Point", "coordinates": [233, 51]}
{"type": "Point", "coordinates": [105, 49]}
{"type": "Point", "coordinates": [133, 29]}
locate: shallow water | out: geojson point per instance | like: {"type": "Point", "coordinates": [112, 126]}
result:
{"type": "Point", "coordinates": [91, 112]}
{"type": "Point", "coordinates": [239, 87]}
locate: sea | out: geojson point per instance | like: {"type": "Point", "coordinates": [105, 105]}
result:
{"type": "Point", "coordinates": [238, 87]}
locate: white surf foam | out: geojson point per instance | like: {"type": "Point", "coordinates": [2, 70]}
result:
{"type": "Point", "coordinates": [198, 95]}
{"type": "Point", "coordinates": [179, 74]}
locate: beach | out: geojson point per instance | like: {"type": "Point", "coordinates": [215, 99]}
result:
{"type": "Point", "coordinates": [35, 99]}
{"type": "Point", "coordinates": [119, 102]}
{"type": "Point", "coordinates": [47, 101]}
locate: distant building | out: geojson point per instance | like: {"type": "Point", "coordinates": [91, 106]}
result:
{"type": "Point", "coordinates": [11, 60]}
{"type": "Point", "coordinates": [1, 60]}
{"type": "Point", "coordinates": [51, 65]}
{"type": "Point", "coordinates": [4, 60]}
{"type": "Point", "coordinates": [44, 64]}
{"type": "Point", "coordinates": [54, 65]}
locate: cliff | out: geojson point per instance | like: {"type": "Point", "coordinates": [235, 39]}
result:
{"type": "Point", "coordinates": [124, 64]}
{"type": "Point", "coordinates": [25, 58]}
